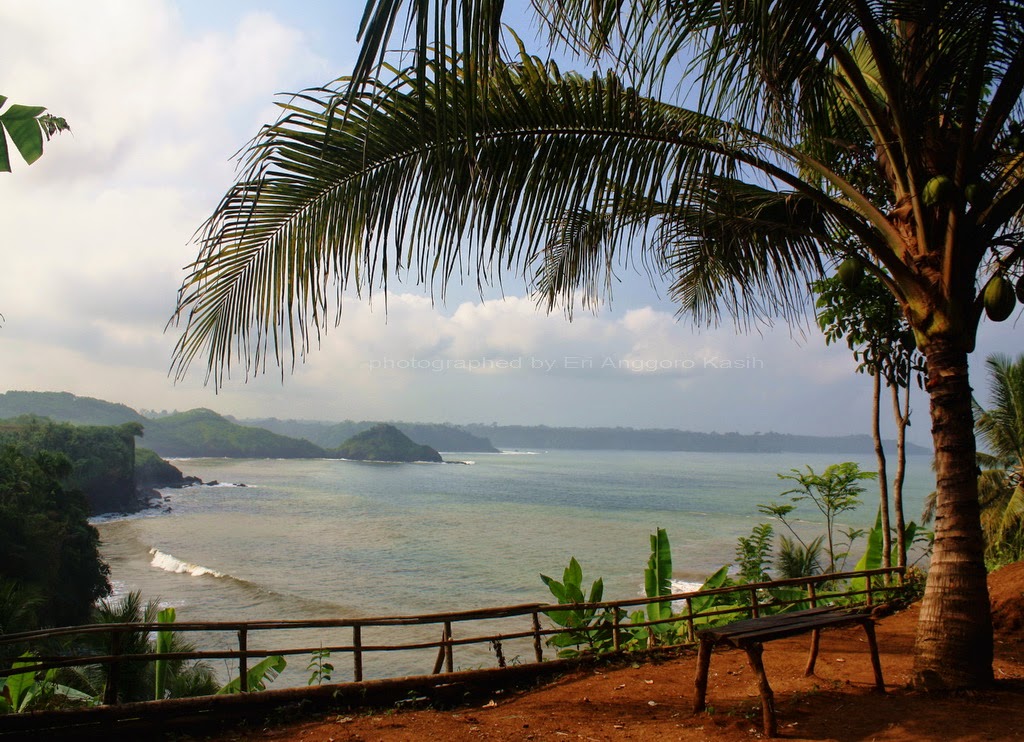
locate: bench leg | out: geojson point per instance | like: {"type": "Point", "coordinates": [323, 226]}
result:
{"type": "Point", "coordinates": [701, 681]}
{"type": "Point", "coordinates": [812, 658]}
{"type": "Point", "coordinates": [754, 652]}
{"type": "Point", "coordinates": [876, 665]}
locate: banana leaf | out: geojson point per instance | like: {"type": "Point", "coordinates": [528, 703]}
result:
{"type": "Point", "coordinates": [258, 675]}
{"type": "Point", "coordinates": [658, 576]}
{"type": "Point", "coordinates": [163, 645]}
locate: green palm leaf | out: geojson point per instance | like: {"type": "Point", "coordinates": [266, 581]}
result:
{"type": "Point", "coordinates": [328, 204]}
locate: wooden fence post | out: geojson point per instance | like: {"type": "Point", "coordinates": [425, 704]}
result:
{"type": "Point", "coordinates": [243, 668]}
{"type": "Point", "coordinates": [357, 653]}
{"type": "Point", "coordinates": [449, 663]}
{"type": "Point", "coordinates": [755, 609]}
{"type": "Point", "coordinates": [692, 635]}
{"type": "Point", "coordinates": [110, 692]}
{"type": "Point", "coordinates": [538, 647]}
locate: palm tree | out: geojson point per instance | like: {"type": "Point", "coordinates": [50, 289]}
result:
{"type": "Point", "coordinates": [136, 680]}
{"type": "Point", "coordinates": [1001, 429]}
{"type": "Point", "coordinates": [886, 130]}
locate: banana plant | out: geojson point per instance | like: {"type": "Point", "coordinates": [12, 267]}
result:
{"type": "Point", "coordinates": [703, 603]}
{"type": "Point", "coordinates": [872, 557]}
{"type": "Point", "coordinates": [658, 582]}
{"type": "Point", "coordinates": [587, 625]}
{"type": "Point", "coordinates": [164, 641]}
{"type": "Point", "coordinates": [20, 691]}
{"type": "Point", "coordinates": [258, 676]}
{"type": "Point", "coordinates": [26, 126]}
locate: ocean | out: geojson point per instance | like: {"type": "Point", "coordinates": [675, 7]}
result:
{"type": "Point", "coordinates": [283, 539]}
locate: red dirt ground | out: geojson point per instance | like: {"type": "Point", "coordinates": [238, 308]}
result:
{"type": "Point", "coordinates": [653, 701]}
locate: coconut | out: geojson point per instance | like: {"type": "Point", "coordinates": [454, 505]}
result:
{"type": "Point", "coordinates": [1020, 289]}
{"type": "Point", "coordinates": [939, 190]}
{"type": "Point", "coordinates": [978, 194]}
{"type": "Point", "coordinates": [998, 298]}
{"type": "Point", "coordinates": [850, 273]}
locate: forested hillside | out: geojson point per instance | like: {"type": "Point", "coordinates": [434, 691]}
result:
{"type": "Point", "coordinates": [203, 432]}
{"type": "Point", "coordinates": [102, 458]}
{"type": "Point", "coordinates": [439, 436]}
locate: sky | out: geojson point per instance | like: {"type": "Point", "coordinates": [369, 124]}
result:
{"type": "Point", "coordinates": [160, 95]}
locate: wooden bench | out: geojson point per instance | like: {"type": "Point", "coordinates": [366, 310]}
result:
{"type": "Point", "coordinates": [751, 634]}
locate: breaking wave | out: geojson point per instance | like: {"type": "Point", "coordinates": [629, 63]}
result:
{"type": "Point", "coordinates": [169, 563]}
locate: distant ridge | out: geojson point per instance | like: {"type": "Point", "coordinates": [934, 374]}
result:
{"type": "Point", "coordinates": [206, 433]}
{"type": "Point", "coordinates": [439, 436]}
{"type": "Point", "coordinates": [655, 439]}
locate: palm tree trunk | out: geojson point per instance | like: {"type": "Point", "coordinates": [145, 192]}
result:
{"type": "Point", "coordinates": [883, 476]}
{"type": "Point", "coordinates": [902, 418]}
{"type": "Point", "coordinates": [954, 635]}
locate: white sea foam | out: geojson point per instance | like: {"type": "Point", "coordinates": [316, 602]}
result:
{"type": "Point", "coordinates": [169, 563]}
{"type": "Point", "coordinates": [682, 586]}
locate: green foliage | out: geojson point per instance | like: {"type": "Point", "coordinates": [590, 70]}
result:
{"type": "Point", "coordinates": [1000, 428]}
{"type": "Point", "coordinates": [589, 626]}
{"type": "Point", "coordinates": [872, 556]}
{"type": "Point", "coordinates": [658, 575]}
{"type": "Point", "coordinates": [32, 691]}
{"type": "Point", "coordinates": [258, 676]}
{"type": "Point", "coordinates": [48, 551]}
{"type": "Point", "coordinates": [704, 603]}
{"type": "Point", "coordinates": [26, 126]}
{"type": "Point", "coordinates": [754, 554]}
{"type": "Point", "coordinates": [385, 443]}
{"type": "Point", "coordinates": [203, 432]}
{"type": "Point", "coordinates": [102, 457]}
{"type": "Point", "coordinates": [320, 667]}
{"type": "Point", "coordinates": [151, 471]}
{"type": "Point", "coordinates": [139, 680]}
{"type": "Point", "coordinates": [796, 559]}
{"type": "Point", "coordinates": [868, 317]}
{"type": "Point", "coordinates": [833, 492]}
{"type": "Point", "coordinates": [164, 642]}
{"type": "Point", "coordinates": [67, 408]}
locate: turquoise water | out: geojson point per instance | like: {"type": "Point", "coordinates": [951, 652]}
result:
{"type": "Point", "coordinates": [328, 538]}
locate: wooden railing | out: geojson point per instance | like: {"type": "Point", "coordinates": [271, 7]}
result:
{"type": "Point", "coordinates": [880, 585]}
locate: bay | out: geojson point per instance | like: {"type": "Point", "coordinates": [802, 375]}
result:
{"type": "Point", "coordinates": [329, 538]}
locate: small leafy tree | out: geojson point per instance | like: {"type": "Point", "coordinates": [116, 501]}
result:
{"type": "Point", "coordinates": [861, 310]}
{"type": "Point", "coordinates": [833, 492]}
{"type": "Point", "coordinates": [754, 554]}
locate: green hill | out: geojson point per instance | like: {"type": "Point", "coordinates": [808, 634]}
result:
{"type": "Point", "coordinates": [439, 436]}
{"type": "Point", "coordinates": [194, 433]}
{"type": "Point", "coordinates": [385, 443]}
{"type": "Point", "coordinates": [67, 408]}
{"type": "Point", "coordinates": [203, 432]}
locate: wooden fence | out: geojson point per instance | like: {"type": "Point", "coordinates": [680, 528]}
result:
{"type": "Point", "coordinates": [529, 623]}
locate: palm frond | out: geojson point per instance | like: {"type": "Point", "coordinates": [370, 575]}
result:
{"type": "Point", "coordinates": [326, 205]}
